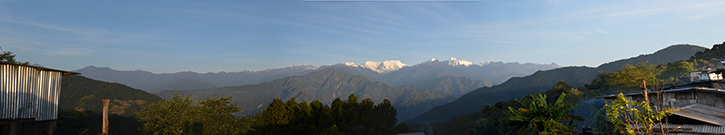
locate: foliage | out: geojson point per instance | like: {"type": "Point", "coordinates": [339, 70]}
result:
{"type": "Point", "coordinates": [341, 117]}
{"type": "Point", "coordinates": [180, 115]}
{"type": "Point", "coordinates": [630, 114]}
{"type": "Point", "coordinates": [640, 76]}
{"type": "Point", "coordinates": [540, 117]}
{"type": "Point", "coordinates": [7, 56]}
{"type": "Point", "coordinates": [716, 52]}
{"type": "Point", "coordinates": [679, 69]}
{"type": "Point", "coordinates": [87, 122]}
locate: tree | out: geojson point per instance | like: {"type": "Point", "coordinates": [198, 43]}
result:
{"type": "Point", "coordinates": [180, 115]}
{"type": "Point", "coordinates": [642, 76]}
{"type": "Point", "coordinates": [628, 114]}
{"type": "Point", "coordinates": [677, 70]}
{"type": "Point", "coordinates": [351, 116]}
{"type": "Point", "coordinates": [8, 57]}
{"type": "Point", "coordinates": [639, 76]}
{"type": "Point", "coordinates": [540, 117]}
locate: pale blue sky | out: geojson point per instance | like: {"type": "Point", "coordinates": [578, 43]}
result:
{"type": "Point", "coordinates": [212, 36]}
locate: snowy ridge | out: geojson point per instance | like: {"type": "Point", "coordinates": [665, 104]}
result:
{"type": "Point", "coordinates": [383, 67]}
{"type": "Point", "coordinates": [457, 62]}
{"type": "Point", "coordinates": [394, 65]}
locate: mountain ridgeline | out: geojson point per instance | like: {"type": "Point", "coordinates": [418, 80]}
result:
{"type": "Point", "coordinates": [325, 86]}
{"type": "Point", "coordinates": [392, 73]}
{"type": "Point", "coordinates": [542, 81]}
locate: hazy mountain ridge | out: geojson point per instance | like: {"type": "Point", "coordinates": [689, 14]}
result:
{"type": "Point", "coordinates": [146, 80]}
{"type": "Point", "coordinates": [542, 81]}
{"type": "Point", "coordinates": [326, 85]}
{"type": "Point", "coordinates": [372, 70]}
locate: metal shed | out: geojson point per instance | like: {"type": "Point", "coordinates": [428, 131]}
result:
{"type": "Point", "coordinates": [28, 94]}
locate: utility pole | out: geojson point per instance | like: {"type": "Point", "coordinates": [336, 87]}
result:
{"type": "Point", "coordinates": [106, 102]}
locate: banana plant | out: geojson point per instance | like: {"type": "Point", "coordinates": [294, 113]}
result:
{"type": "Point", "coordinates": [540, 117]}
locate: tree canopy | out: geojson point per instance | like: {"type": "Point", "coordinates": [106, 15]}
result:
{"type": "Point", "coordinates": [9, 57]}
{"type": "Point", "coordinates": [349, 117]}
{"type": "Point", "coordinates": [180, 115]}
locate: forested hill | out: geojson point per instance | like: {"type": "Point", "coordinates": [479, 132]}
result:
{"type": "Point", "coordinates": [80, 93]}
{"type": "Point", "coordinates": [326, 85]}
{"type": "Point", "coordinates": [542, 81]}
{"type": "Point", "coordinates": [666, 55]}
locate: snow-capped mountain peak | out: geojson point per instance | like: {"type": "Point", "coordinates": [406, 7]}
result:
{"type": "Point", "coordinates": [349, 64]}
{"type": "Point", "coordinates": [383, 67]}
{"type": "Point", "coordinates": [458, 62]}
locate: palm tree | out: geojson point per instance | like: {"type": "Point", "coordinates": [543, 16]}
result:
{"type": "Point", "coordinates": [539, 117]}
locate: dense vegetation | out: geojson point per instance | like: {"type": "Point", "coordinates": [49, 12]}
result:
{"type": "Point", "coordinates": [184, 115]}
{"type": "Point", "coordinates": [351, 116]}
{"type": "Point", "coordinates": [181, 115]}
{"type": "Point", "coordinates": [74, 122]}
{"type": "Point", "coordinates": [541, 117]}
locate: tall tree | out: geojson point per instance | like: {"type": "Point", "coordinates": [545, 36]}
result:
{"type": "Point", "coordinates": [640, 76]}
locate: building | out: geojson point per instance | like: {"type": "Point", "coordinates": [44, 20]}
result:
{"type": "Point", "coordinates": [699, 105]}
{"type": "Point", "coordinates": [29, 99]}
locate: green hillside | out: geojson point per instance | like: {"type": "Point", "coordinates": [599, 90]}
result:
{"type": "Point", "coordinates": [80, 93]}
{"type": "Point", "coordinates": [666, 55]}
{"type": "Point", "coordinates": [542, 81]}
{"type": "Point", "coordinates": [326, 85]}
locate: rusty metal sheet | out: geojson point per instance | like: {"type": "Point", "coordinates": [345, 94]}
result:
{"type": "Point", "coordinates": [704, 113]}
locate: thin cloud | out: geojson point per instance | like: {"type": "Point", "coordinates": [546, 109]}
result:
{"type": "Point", "coordinates": [69, 52]}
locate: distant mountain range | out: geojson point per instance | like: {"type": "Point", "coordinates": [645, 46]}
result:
{"type": "Point", "coordinates": [392, 72]}
{"type": "Point", "coordinates": [413, 89]}
{"type": "Point", "coordinates": [543, 80]}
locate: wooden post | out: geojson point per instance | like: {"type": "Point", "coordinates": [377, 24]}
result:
{"type": "Point", "coordinates": [106, 102]}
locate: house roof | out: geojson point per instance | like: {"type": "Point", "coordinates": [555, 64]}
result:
{"type": "Point", "coordinates": [704, 113]}
{"type": "Point", "coordinates": [65, 73]}
{"type": "Point", "coordinates": [693, 129]}
{"type": "Point", "coordinates": [670, 90]}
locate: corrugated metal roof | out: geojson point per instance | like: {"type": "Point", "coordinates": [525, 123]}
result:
{"type": "Point", "coordinates": [670, 90]}
{"type": "Point", "coordinates": [704, 113]}
{"type": "Point", "coordinates": [42, 68]}
{"type": "Point", "coordinates": [693, 129]}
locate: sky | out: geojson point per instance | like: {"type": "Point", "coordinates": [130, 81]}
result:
{"type": "Point", "coordinates": [212, 36]}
